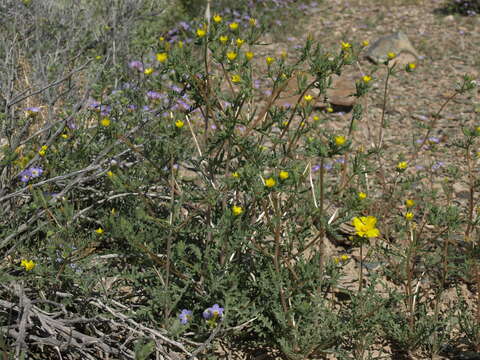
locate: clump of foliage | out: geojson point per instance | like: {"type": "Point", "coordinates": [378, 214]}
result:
{"type": "Point", "coordinates": [464, 7]}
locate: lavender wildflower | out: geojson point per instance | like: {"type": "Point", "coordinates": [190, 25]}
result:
{"type": "Point", "coordinates": [30, 173]}
{"type": "Point", "coordinates": [35, 172]}
{"type": "Point", "coordinates": [214, 312]}
{"type": "Point", "coordinates": [25, 176]}
{"type": "Point", "coordinates": [32, 111]}
{"type": "Point", "coordinates": [136, 65]}
{"type": "Point", "coordinates": [185, 316]}
{"type": "Point", "coordinates": [154, 95]}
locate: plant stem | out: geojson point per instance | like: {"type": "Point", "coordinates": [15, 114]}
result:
{"type": "Point", "coordinates": [360, 273]}
{"type": "Point", "coordinates": [384, 106]}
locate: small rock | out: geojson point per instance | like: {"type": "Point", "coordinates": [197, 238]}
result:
{"type": "Point", "coordinates": [397, 43]}
{"type": "Point", "coordinates": [449, 18]}
{"type": "Point", "coordinates": [342, 91]}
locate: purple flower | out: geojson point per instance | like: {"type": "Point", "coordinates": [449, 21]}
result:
{"type": "Point", "coordinates": [185, 316]}
{"type": "Point", "coordinates": [33, 108]}
{"type": "Point", "coordinates": [184, 25]}
{"type": "Point", "coordinates": [32, 111]}
{"type": "Point", "coordinates": [105, 110]}
{"type": "Point", "coordinates": [93, 104]}
{"type": "Point", "coordinates": [25, 176]}
{"type": "Point", "coordinates": [176, 88]}
{"type": "Point", "coordinates": [214, 312]}
{"type": "Point", "coordinates": [30, 173]}
{"type": "Point", "coordinates": [437, 165]}
{"type": "Point", "coordinates": [154, 95]}
{"type": "Point", "coordinates": [183, 104]}
{"type": "Point", "coordinates": [35, 172]}
{"type": "Point", "coordinates": [136, 65]}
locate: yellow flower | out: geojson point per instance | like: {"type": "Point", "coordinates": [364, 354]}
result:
{"type": "Point", "coordinates": [409, 203]}
{"type": "Point", "coordinates": [308, 98]}
{"type": "Point", "coordinates": [270, 182]}
{"type": "Point", "coordinates": [113, 211]}
{"type": "Point", "coordinates": [99, 231]}
{"type": "Point", "coordinates": [365, 226]}
{"type": "Point", "coordinates": [231, 55]}
{"type": "Point", "coordinates": [217, 18]}
{"type": "Point", "coordinates": [201, 33]}
{"type": "Point", "coordinates": [236, 79]}
{"type": "Point", "coordinates": [284, 54]}
{"type": "Point", "coordinates": [365, 43]}
{"type": "Point", "coordinates": [283, 175]}
{"type": "Point", "coordinates": [252, 21]}
{"type": "Point", "coordinates": [237, 210]}
{"type": "Point", "coordinates": [27, 264]}
{"type": "Point", "coordinates": [362, 195]}
{"type": "Point", "coordinates": [64, 136]}
{"type": "Point", "coordinates": [249, 55]}
{"type": "Point", "coordinates": [412, 66]}
{"type": "Point", "coordinates": [235, 175]}
{"type": "Point", "coordinates": [316, 118]}
{"type": "Point", "coordinates": [43, 150]}
{"type": "Point", "coordinates": [161, 38]}
{"type": "Point", "coordinates": [269, 60]}
{"type": "Point", "coordinates": [98, 57]}
{"type": "Point", "coordinates": [391, 55]}
{"type": "Point", "coordinates": [105, 122]}
{"type": "Point", "coordinates": [233, 26]}
{"type": "Point", "coordinates": [402, 165]}
{"type": "Point", "coordinates": [340, 140]}
{"type": "Point", "coordinates": [109, 174]}
{"type": "Point", "coordinates": [162, 57]}
{"type": "Point", "coordinates": [179, 124]}
{"type": "Point", "coordinates": [409, 216]}
{"type": "Point", "coordinates": [148, 71]}
{"type": "Point", "coordinates": [342, 258]}
{"type": "Point", "coordinates": [346, 45]}
{"type": "Point", "coordinates": [240, 42]}
{"type": "Point", "coordinates": [180, 44]}
{"type": "Point", "coordinates": [329, 109]}
{"type": "Point", "coordinates": [366, 79]}
{"type": "Point", "coordinates": [223, 39]}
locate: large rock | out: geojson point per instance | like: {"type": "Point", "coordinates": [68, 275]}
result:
{"type": "Point", "coordinates": [398, 43]}
{"type": "Point", "coordinates": [341, 92]}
